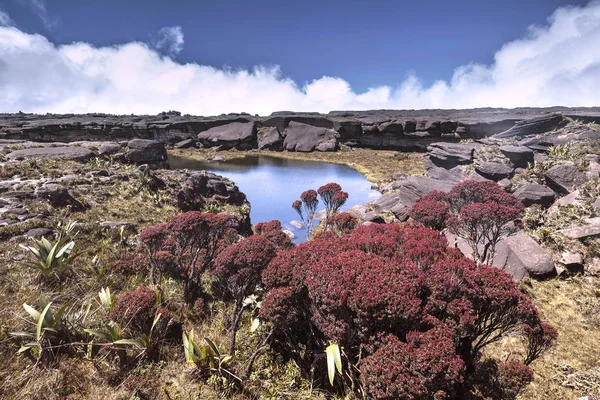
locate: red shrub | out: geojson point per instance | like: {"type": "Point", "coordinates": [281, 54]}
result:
{"type": "Point", "coordinates": [501, 380]}
{"type": "Point", "coordinates": [272, 231]}
{"type": "Point", "coordinates": [306, 209]}
{"type": "Point", "coordinates": [135, 309]}
{"type": "Point", "coordinates": [436, 309]}
{"type": "Point", "coordinates": [426, 367]}
{"type": "Point", "coordinates": [237, 271]}
{"type": "Point", "coordinates": [343, 223]}
{"type": "Point", "coordinates": [539, 337]}
{"type": "Point", "coordinates": [469, 192]}
{"type": "Point", "coordinates": [430, 213]}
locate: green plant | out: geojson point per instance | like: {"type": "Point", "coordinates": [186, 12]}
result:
{"type": "Point", "coordinates": [107, 299]}
{"type": "Point", "coordinates": [143, 341]}
{"type": "Point", "coordinates": [205, 356]}
{"type": "Point", "coordinates": [334, 361]}
{"type": "Point", "coordinates": [51, 258]}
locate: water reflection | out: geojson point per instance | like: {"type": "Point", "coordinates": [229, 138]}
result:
{"type": "Point", "coordinates": [271, 184]}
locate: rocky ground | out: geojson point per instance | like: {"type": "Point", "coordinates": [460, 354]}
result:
{"type": "Point", "coordinates": [89, 169]}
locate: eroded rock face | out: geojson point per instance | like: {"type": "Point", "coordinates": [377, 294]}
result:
{"type": "Point", "coordinates": [58, 196]}
{"type": "Point", "coordinates": [519, 156]}
{"type": "Point", "coordinates": [199, 186]}
{"type": "Point", "coordinates": [239, 135]}
{"type": "Point", "coordinates": [55, 153]}
{"type": "Point", "coordinates": [450, 155]}
{"type": "Point", "coordinates": [143, 151]}
{"type": "Point", "coordinates": [303, 137]}
{"type": "Point", "coordinates": [270, 139]}
{"type": "Point", "coordinates": [533, 126]}
{"type": "Point", "coordinates": [533, 193]}
{"type": "Point", "coordinates": [494, 171]}
{"type": "Point", "coordinates": [565, 178]}
{"type": "Point", "coordinates": [521, 256]}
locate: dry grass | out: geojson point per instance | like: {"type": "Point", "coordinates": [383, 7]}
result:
{"type": "Point", "coordinates": [378, 166]}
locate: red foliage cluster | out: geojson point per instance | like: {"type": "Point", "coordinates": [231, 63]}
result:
{"type": "Point", "coordinates": [333, 198]}
{"type": "Point", "coordinates": [186, 246]}
{"type": "Point", "coordinates": [412, 315]}
{"type": "Point", "coordinates": [135, 309]}
{"type": "Point", "coordinates": [479, 212]}
{"type": "Point", "coordinates": [502, 380]}
{"type": "Point", "coordinates": [272, 231]}
{"type": "Point", "coordinates": [343, 223]}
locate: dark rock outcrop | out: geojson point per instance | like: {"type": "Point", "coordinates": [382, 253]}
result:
{"type": "Point", "coordinates": [494, 171]}
{"type": "Point", "coordinates": [58, 196]}
{"type": "Point", "coordinates": [303, 137]}
{"type": "Point", "coordinates": [55, 153]}
{"type": "Point", "coordinates": [565, 178]}
{"type": "Point", "coordinates": [520, 156]}
{"type": "Point", "coordinates": [533, 126]}
{"type": "Point", "coordinates": [239, 135]}
{"type": "Point", "coordinates": [270, 139]}
{"type": "Point", "coordinates": [533, 193]}
{"type": "Point", "coordinates": [521, 256]}
{"type": "Point", "coordinates": [449, 155]}
{"type": "Point", "coordinates": [142, 151]}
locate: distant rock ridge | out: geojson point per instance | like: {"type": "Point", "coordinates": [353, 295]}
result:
{"type": "Point", "coordinates": [384, 129]}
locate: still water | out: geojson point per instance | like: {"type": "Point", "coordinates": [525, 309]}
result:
{"type": "Point", "coordinates": [272, 184]}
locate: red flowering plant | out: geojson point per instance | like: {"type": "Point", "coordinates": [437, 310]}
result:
{"type": "Point", "coordinates": [186, 246]}
{"type": "Point", "coordinates": [272, 231]}
{"type": "Point", "coordinates": [479, 212]}
{"type": "Point", "coordinates": [306, 208]}
{"type": "Point", "coordinates": [411, 315]}
{"type": "Point", "coordinates": [333, 199]}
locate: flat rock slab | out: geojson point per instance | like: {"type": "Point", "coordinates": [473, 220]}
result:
{"type": "Point", "coordinates": [520, 156]}
{"type": "Point", "coordinates": [534, 193]}
{"type": "Point", "coordinates": [303, 137]}
{"type": "Point", "coordinates": [494, 171]}
{"type": "Point", "coordinates": [231, 135]}
{"type": "Point", "coordinates": [581, 232]}
{"type": "Point", "coordinates": [54, 153]}
{"type": "Point", "coordinates": [449, 155]}
{"type": "Point", "coordinates": [565, 178]}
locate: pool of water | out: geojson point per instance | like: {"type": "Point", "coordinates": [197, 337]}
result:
{"type": "Point", "coordinates": [272, 184]}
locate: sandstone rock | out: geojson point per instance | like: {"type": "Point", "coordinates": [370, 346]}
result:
{"type": "Point", "coordinates": [67, 153]}
{"type": "Point", "coordinates": [521, 256]}
{"type": "Point", "coordinates": [364, 214]}
{"type": "Point", "coordinates": [581, 232]}
{"type": "Point", "coordinates": [58, 196]}
{"type": "Point", "coordinates": [449, 155]}
{"type": "Point", "coordinates": [39, 233]}
{"type": "Point", "coordinates": [240, 135]}
{"type": "Point", "coordinates": [110, 225]}
{"type": "Point", "coordinates": [520, 156]}
{"type": "Point", "coordinates": [303, 137]}
{"type": "Point", "coordinates": [328, 145]}
{"type": "Point", "coordinates": [391, 203]}
{"type": "Point", "coordinates": [565, 178]}
{"type": "Point", "coordinates": [202, 185]}
{"type": "Point", "coordinates": [282, 120]}
{"type": "Point", "coordinates": [572, 261]}
{"type": "Point", "coordinates": [106, 149]}
{"type": "Point", "coordinates": [596, 206]}
{"type": "Point", "coordinates": [533, 126]}
{"type": "Point", "coordinates": [493, 170]}
{"type": "Point", "coordinates": [145, 151]}
{"type": "Point", "coordinates": [533, 193]}
{"type": "Point", "coordinates": [455, 174]}
{"type": "Point", "coordinates": [185, 144]}
{"type": "Point", "coordinates": [505, 184]}
{"type": "Point", "coordinates": [270, 140]}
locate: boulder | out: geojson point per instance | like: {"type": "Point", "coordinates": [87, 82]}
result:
{"type": "Point", "coordinates": [185, 144]}
{"type": "Point", "coordinates": [106, 149]}
{"type": "Point", "coordinates": [565, 178]}
{"type": "Point", "coordinates": [328, 145]}
{"type": "Point", "coordinates": [394, 127]}
{"type": "Point", "coordinates": [581, 232]}
{"type": "Point", "coordinates": [449, 155]}
{"type": "Point", "coordinates": [142, 151]}
{"type": "Point", "coordinates": [365, 215]}
{"type": "Point", "coordinates": [391, 203]}
{"type": "Point", "coordinates": [455, 174]}
{"type": "Point", "coordinates": [55, 153]}
{"type": "Point", "coordinates": [533, 193]}
{"type": "Point", "coordinates": [58, 196]}
{"type": "Point", "coordinates": [282, 120]}
{"type": "Point", "coordinates": [573, 262]}
{"type": "Point", "coordinates": [38, 233]}
{"type": "Point", "coordinates": [239, 135]}
{"type": "Point", "coordinates": [520, 156]}
{"type": "Point", "coordinates": [521, 256]}
{"type": "Point", "coordinates": [199, 186]}
{"type": "Point", "coordinates": [493, 170]}
{"type": "Point", "coordinates": [270, 139]}
{"type": "Point", "coordinates": [303, 137]}
{"type": "Point", "coordinates": [533, 126]}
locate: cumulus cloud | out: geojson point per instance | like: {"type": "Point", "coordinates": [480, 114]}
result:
{"type": "Point", "coordinates": [5, 19]}
{"type": "Point", "coordinates": [554, 64]}
{"type": "Point", "coordinates": [170, 40]}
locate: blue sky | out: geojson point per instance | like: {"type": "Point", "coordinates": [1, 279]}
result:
{"type": "Point", "coordinates": [309, 55]}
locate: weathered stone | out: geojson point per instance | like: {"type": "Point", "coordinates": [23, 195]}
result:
{"type": "Point", "coordinates": [581, 232]}
{"type": "Point", "coordinates": [39, 233]}
{"type": "Point", "coordinates": [505, 184]}
{"type": "Point", "coordinates": [364, 214]}
{"type": "Point", "coordinates": [303, 137]}
{"type": "Point", "coordinates": [238, 135]}
{"type": "Point", "coordinates": [282, 119]}
{"type": "Point", "coordinates": [117, 225]}
{"type": "Point", "coordinates": [202, 185]}
{"type": "Point", "coordinates": [533, 193]}
{"type": "Point", "coordinates": [449, 155]}
{"type": "Point", "coordinates": [493, 170]}
{"type": "Point", "coordinates": [58, 196]}
{"type": "Point", "coordinates": [572, 261]}
{"type": "Point", "coordinates": [270, 139]}
{"type": "Point", "coordinates": [328, 145]}
{"type": "Point", "coordinates": [533, 126]}
{"type": "Point", "coordinates": [521, 256]}
{"type": "Point", "coordinates": [67, 153]}
{"type": "Point", "coordinates": [391, 203]}
{"type": "Point", "coordinates": [520, 156]}
{"type": "Point", "coordinates": [565, 178]}
{"type": "Point", "coordinates": [185, 144]}
{"type": "Point", "coordinates": [145, 151]}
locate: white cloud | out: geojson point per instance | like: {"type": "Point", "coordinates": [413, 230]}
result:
{"type": "Point", "coordinates": [170, 40]}
{"type": "Point", "coordinates": [554, 64]}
